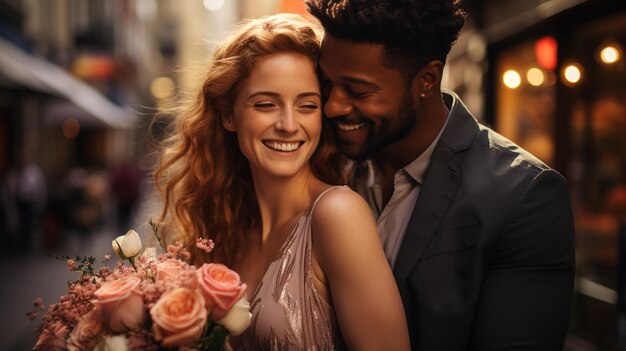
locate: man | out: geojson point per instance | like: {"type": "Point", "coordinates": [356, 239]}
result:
{"type": "Point", "coordinates": [478, 231]}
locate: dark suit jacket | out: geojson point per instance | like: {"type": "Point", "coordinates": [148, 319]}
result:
{"type": "Point", "coordinates": [487, 262]}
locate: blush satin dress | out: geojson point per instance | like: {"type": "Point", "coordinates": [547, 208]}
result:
{"type": "Point", "coordinates": [287, 312]}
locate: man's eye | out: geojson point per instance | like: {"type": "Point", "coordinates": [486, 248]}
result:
{"type": "Point", "coordinates": [357, 94]}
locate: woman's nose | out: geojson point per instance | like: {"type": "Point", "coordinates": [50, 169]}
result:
{"type": "Point", "coordinates": [287, 122]}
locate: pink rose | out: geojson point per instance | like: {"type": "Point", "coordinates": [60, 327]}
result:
{"type": "Point", "coordinates": [168, 269]}
{"type": "Point", "coordinates": [53, 338]}
{"type": "Point", "coordinates": [86, 333]}
{"type": "Point", "coordinates": [179, 317]}
{"type": "Point", "coordinates": [221, 288]}
{"type": "Point", "coordinates": [121, 304]}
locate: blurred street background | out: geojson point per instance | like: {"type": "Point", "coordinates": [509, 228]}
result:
{"type": "Point", "coordinates": [81, 80]}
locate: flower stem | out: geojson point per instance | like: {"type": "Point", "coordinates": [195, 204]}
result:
{"type": "Point", "coordinates": [132, 262]}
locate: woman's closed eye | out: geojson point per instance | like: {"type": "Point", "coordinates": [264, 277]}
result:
{"type": "Point", "coordinates": [308, 107]}
{"type": "Point", "coordinates": [264, 105]}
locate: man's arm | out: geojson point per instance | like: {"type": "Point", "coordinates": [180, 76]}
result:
{"type": "Point", "coordinates": [525, 299]}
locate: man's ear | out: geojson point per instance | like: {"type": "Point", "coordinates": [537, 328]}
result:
{"type": "Point", "coordinates": [428, 79]}
{"type": "Point", "coordinates": [228, 124]}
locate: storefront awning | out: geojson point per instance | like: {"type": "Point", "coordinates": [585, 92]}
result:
{"type": "Point", "coordinates": [503, 29]}
{"type": "Point", "coordinates": [41, 75]}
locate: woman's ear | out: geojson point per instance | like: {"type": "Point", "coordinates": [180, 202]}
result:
{"type": "Point", "coordinates": [228, 124]}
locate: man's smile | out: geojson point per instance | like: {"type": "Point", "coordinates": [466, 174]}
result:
{"type": "Point", "coordinates": [350, 126]}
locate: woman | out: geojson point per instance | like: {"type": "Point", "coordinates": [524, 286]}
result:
{"type": "Point", "coordinates": [250, 166]}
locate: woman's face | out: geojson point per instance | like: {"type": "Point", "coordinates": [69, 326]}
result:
{"type": "Point", "coordinates": [277, 115]}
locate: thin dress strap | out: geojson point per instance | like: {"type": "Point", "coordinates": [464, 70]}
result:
{"type": "Point", "coordinates": [324, 193]}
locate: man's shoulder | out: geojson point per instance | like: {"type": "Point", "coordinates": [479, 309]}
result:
{"type": "Point", "coordinates": [497, 148]}
{"type": "Point", "coordinates": [465, 132]}
{"type": "Point", "coordinates": [493, 161]}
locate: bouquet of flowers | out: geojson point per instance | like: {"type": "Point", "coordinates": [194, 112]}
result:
{"type": "Point", "coordinates": [157, 302]}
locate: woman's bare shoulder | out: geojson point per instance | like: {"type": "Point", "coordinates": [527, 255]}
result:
{"type": "Point", "coordinates": [340, 198]}
{"type": "Point", "coordinates": [341, 211]}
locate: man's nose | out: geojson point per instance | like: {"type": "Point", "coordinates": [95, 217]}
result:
{"type": "Point", "coordinates": [337, 104]}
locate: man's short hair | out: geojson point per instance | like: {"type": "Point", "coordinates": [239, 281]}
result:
{"type": "Point", "coordinates": [412, 32]}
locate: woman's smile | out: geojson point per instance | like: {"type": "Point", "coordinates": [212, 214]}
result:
{"type": "Point", "coordinates": [283, 146]}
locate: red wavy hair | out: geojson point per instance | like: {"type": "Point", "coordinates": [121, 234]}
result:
{"type": "Point", "coordinates": [203, 177]}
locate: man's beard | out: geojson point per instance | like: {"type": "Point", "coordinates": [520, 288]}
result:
{"type": "Point", "coordinates": [390, 130]}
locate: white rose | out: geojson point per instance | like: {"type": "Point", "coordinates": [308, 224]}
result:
{"type": "Point", "coordinates": [127, 246]}
{"type": "Point", "coordinates": [113, 343]}
{"type": "Point", "coordinates": [238, 318]}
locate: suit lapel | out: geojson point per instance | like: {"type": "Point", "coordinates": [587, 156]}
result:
{"type": "Point", "coordinates": [441, 181]}
{"type": "Point", "coordinates": [443, 178]}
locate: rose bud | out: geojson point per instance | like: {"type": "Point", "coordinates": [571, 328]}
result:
{"type": "Point", "coordinates": [238, 318]}
{"type": "Point", "coordinates": [127, 246]}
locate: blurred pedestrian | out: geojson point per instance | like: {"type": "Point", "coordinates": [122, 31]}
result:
{"type": "Point", "coordinates": [86, 202]}
{"type": "Point", "coordinates": [23, 202]}
{"type": "Point", "coordinates": [125, 189]}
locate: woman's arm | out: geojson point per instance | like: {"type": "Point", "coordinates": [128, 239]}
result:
{"type": "Point", "coordinates": [347, 247]}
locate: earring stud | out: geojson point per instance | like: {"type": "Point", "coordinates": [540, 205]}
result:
{"type": "Point", "coordinates": [423, 95]}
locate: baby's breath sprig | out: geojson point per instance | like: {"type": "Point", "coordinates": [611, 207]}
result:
{"type": "Point", "coordinates": [155, 230]}
{"type": "Point", "coordinates": [79, 263]}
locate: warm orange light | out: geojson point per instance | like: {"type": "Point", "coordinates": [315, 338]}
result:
{"type": "Point", "coordinates": [572, 74]}
{"type": "Point", "coordinates": [162, 87]}
{"type": "Point", "coordinates": [511, 79]}
{"type": "Point", "coordinates": [294, 6]}
{"type": "Point", "coordinates": [535, 77]}
{"type": "Point", "coordinates": [93, 66]}
{"type": "Point", "coordinates": [546, 52]}
{"type": "Point", "coordinates": [610, 54]}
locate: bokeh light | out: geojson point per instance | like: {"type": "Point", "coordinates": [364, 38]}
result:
{"type": "Point", "coordinates": [213, 5]}
{"type": "Point", "coordinates": [535, 77]}
{"type": "Point", "coordinates": [511, 79]}
{"type": "Point", "coordinates": [610, 54]}
{"type": "Point", "coordinates": [162, 87]}
{"type": "Point", "coordinates": [572, 74]}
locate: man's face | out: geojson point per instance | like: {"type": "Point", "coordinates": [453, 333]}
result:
{"type": "Point", "coordinates": [370, 104]}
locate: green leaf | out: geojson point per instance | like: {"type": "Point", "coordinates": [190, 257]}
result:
{"type": "Point", "coordinates": [214, 338]}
